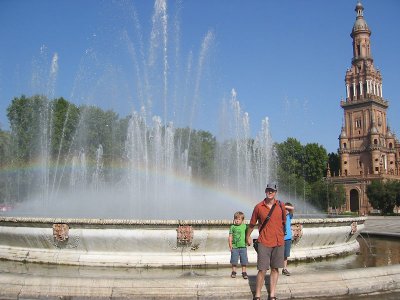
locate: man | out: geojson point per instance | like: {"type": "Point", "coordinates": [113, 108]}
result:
{"type": "Point", "coordinates": [271, 243]}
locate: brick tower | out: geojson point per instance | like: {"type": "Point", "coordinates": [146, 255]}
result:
{"type": "Point", "coordinates": [368, 149]}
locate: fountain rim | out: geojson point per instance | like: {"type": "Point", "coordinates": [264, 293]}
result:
{"type": "Point", "coordinates": [106, 221]}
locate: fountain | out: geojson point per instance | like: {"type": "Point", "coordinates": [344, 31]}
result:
{"type": "Point", "coordinates": [146, 208]}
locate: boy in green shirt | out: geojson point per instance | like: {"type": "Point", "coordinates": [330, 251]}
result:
{"type": "Point", "coordinates": [237, 244]}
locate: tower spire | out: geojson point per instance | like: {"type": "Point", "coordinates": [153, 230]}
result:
{"type": "Point", "coordinates": [363, 80]}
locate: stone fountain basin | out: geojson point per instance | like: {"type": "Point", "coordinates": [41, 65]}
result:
{"type": "Point", "coordinates": [158, 243]}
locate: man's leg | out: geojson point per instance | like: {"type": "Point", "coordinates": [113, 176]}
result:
{"type": "Point", "coordinates": [273, 281]}
{"type": "Point", "coordinates": [260, 282]}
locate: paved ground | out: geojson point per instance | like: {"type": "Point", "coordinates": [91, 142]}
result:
{"type": "Point", "coordinates": [384, 226]}
{"type": "Point", "coordinates": [52, 284]}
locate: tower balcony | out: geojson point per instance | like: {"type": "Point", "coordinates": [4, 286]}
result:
{"type": "Point", "coordinates": [369, 98]}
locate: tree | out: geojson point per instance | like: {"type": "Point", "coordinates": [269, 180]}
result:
{"type": "Point", "coordinates": [384, 195]}
{"type": "Point", "coordinates": [5, 151]}
{"type": "Point", "coordinates": [202, 146]}
{"type": "Point", "coordinates": [96, 128]}
{"type": "Point", "coordinates": [337, 195]}
{"type": "Point", "coordinates": [314, 162]}
{"type": "Point", "coordinates": [5, 159]}
{"type": "Point", "coordinates": [297, 163]}
{"type": "Point", "coordinates": [290, 156]}
{"type": "Point", "coordinates": [64, 124]}
{"type": "Point", "coordinates": [325, 194]}
{"type": "Point", "coordinates": [289, 170]}
{"type": "Point", "coordinates": [334, 163]}
{"type": "Point", "coordinates": [24, 115]}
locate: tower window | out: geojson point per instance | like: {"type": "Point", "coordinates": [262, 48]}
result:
{"type": "Point", "coordinates": [344, 145]}
{"type": "Point", "coordinates": [358, 123]}
{"type": "Point", "coordinates": [390, 145]}
{"type": "Point", "coordinates": [375, 142]}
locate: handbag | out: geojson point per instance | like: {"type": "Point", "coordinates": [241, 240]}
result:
{"type": "Point", "coordinates": [255, 241]}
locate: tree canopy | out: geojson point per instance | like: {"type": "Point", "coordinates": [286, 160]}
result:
{"type": "Point", "coordinates": [384, 195]}
{"type": "Point", "coordinates": [301, 171]}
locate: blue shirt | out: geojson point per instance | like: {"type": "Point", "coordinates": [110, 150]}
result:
{"type": "Point", "coordinates": [288, 235]}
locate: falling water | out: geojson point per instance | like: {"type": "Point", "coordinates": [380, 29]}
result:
{"type": "Point", "coordinates": [97, 179]}
{"type": "Point", "coordinates": [155, 177]}
{"type": "Point", "coordinates": [244, 164]}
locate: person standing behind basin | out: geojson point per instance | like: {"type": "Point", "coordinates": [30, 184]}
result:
{"type": "Point", "coordinates": [288, 236]}
{"type": "Point", "coordinates": [271, 243]}
{"type": "Point", "coordinates": [237, 244]}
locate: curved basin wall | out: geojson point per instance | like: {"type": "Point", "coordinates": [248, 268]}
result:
{"type": "Point", "coordinates": [153, 243]}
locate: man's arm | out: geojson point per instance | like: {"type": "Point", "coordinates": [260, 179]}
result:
{"type": "Point", "coordinates": [248, 233]}
{"type": "Point", "coordinates": [290, 209]}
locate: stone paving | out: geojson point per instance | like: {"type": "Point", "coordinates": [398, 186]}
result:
{"type": "Point", "coordinates": [333, 284]}
{"type": "Point", "coordinates": [384, 226]}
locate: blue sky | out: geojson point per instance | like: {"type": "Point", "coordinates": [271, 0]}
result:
{"type": "Point", "coordinates": [286, 60]}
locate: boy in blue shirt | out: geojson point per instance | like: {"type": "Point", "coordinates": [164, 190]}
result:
{"type": "Point", "coordinates": [288, 236]}
{"type": "Point", "coordinates": [237, 244]}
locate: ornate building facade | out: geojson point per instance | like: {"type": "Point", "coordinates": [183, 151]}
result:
{"type": "Point", "coordinates": [368, 149]}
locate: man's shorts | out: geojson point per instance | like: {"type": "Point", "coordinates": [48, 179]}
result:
{"type": "Point", "coordinates": [288, 245]}
{"type": "Point", "coordinates": [270, 257]}
{"type": "Point", "coordinates": [239, 252]}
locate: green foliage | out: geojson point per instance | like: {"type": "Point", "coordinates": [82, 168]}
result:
{"type": "Point", "coordinates": [307, 162]}
{"type": "Point", "coordinates": [26, 116]}
{"type": "Point", "coordinates": [301, 170]}
{"type": "Point", "coordinates": [65, 120]}
{"type": "Point", "coordinates": [334, 163]}
{"type": "Point", "coordinates": [290, 156]}
{"type": "Point", "coordinates": [5, 158]}
{"type": "Point", "coordinates": [384, 195]}
{"type": "Point", "coordinates": [97, 128]}
{"type": "Point", "coordinates": [201, 145]}
{"type": "Point", "coordinates": [5, 143]}
{"type": "Point", "coordinates": [337, 195]}
{"type": "Point", "coordinates": [325, 195]}
{"type": "Point", "coordinates": [314, 162]}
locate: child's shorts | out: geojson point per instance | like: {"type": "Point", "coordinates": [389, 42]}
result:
{"type": "Point", "coordinates": [239, 252]}
{"type": "Point", "coordinates": [288, 245]}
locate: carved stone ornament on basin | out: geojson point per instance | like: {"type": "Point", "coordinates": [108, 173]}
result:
{"type": "Point", "coordinates": [60, 232]}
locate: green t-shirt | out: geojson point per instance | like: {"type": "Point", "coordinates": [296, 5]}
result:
{"type": "Point", "coordinates": [238, 235]}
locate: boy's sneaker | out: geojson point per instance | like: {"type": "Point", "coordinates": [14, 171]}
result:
{"type": "Point", "coordinates": [285, 272]}
{"type": "Point", "coordinates": [233, 274]}
{"type": "Point", "coordinates": [244, 275]}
